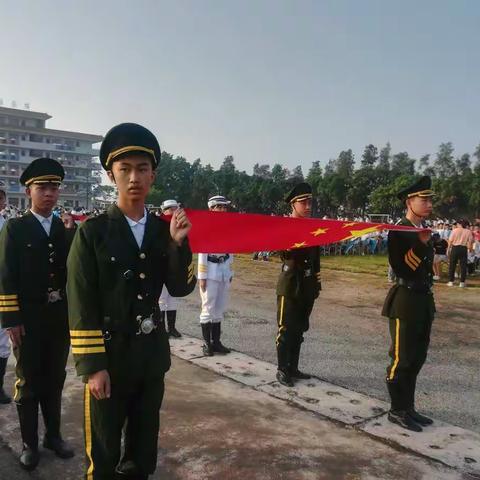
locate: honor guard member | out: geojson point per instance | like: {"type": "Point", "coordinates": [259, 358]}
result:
{"type": "Point", "coordinates": [214, 275]}
{"type": "Point", "coordinates": [410, 305]}
{"type": "Point", "coordinates": [168, 304]}
{"type": "Point", "coordinates": [298, 286]}
{"type": "Point", "coordinates": [33, 308]}
{"type": "Point", "coordinates": [118, 264]}
{"type": "Point", "coordinates": [4, 340]}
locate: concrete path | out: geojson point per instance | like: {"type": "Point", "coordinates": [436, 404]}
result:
{"type": "Point", "coordinates": [220, 428]}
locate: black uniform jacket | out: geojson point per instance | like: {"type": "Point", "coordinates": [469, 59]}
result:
{"type": "Point", "coordinates": [112, 284]}
{"type": "Point", "coordinates": [412, 263]}
{"type": "Point", "coordinates": [32, 264]}
{"type": "Point", "coordinates": [300, 275]}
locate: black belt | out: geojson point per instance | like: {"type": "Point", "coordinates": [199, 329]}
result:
{"type": "Point", "coordinates": [414, 286]}
{"type": "Point", "coordinates": [218, 259]}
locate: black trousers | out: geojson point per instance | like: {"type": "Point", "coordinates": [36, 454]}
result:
{"type": "Point", "coordinates": [459, 254]}
{"type": "Point", "coordinates": [293, 321]}
{"type": "Point", "coordinates": [40, 367]}
{"type": "Point", "coordinates": [408, 352]}
{"type": "Point", "coordinates": [132, 411]}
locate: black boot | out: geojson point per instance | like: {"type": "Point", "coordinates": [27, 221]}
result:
{"type": "Point", "coordinates": [403, 419]}
{"type": "Point", "coordinates": [207, 335]}
{"type": "Point", "coordinates": [398, 411]}
{"type": "Point", "coordinates": [216, 343]}
{"type": "Point", "coordinates": [284, 378]}
{"type": "Point", "coordinates": [28, 417]}
{"type": "Point", "coordinates": [294, 359]}
{"type": "Point", "coordinates": [283, 356]}
{"type": "Point", "coordinates": [51, 406]}
{"type": "Point", "coordinates": [171, 317]}
{"type": "Point", "coordinates": [410, 401]}
{"type": "Point", "coordinates": [4, 398]}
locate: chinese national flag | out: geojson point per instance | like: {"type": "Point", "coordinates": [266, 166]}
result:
{"type": "Point", "coordinates": [224, 232]}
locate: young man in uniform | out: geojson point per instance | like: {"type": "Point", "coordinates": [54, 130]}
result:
{"type": "Point", "coordinates": [298, 286]}
{"type": "Point", "coordinates": [410, 305]}
{"type": "Point", "coordinates": [168, 304]}
{"type": "Point", "coordinates": [214, 275]}
{"type": "Point", "coordinates": [33, 308]}
{"type": "Point", "coordinates": [117, 267]}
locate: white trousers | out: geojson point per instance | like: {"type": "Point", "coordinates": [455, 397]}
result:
{"type": "Point", "coordinates": [214, 301]}
{"type": "Point", "coordinates": [166, 301]}
{"type": "Point", "coordinates": [4, 344]}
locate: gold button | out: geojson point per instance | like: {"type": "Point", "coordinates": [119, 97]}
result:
{"type": "Point", "coordinates": [139, 297]}
{"type": "Point", "coordinates": [139, 317]}
{"type": "Point", "coordinates": [50, 245]}
{"type": "Point", "coordinates": [143, 256]}
{"type": "Point", "coordinates": [142, 276]}
{"type": "Point", "coordinates": [51, 260]}
{"type": "Point", "coordinates": [112, 259]}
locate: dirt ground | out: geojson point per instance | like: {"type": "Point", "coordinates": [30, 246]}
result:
{"type": "Point", "coordinates": [348, 339]}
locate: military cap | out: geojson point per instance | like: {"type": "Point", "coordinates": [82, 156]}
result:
{"type": "Point", "coordinates": [42, 170]}
{"type": "Point", "coordinates": [169, 204]}
{"type": "Point", "coordinates": [421, 188]}
{"type": "Point", "coordinates": [126, 138]}
{"type": "Point", "coordinates": [302, 191]}
{"type": "Point", "coordinates": [218, 200]}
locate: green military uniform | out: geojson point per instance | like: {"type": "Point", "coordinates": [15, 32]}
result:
{"type": "Point", "coordinates": [32, 294]}
{"type": "Point", "coordinates": [114, 287]}
{"type": "Point", "coordinates": [297, 288]}
{"type": "Point", "coordinates": [410, 307]}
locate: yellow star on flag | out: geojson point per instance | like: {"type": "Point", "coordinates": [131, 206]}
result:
{"type": "Point", "coordinates": [360, 233]}
{"type": "Point", "coordinates": [319, 231]}
{"type": "Point", "coordinates": [299, 245]}
{"type": "Point", "coordinates": [350, 224]}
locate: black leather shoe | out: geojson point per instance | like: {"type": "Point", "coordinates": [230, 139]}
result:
{"type": "Point", "coordinates": [29, 458]}
{"type": "Point", "coordinates": [174, 333]}
{"type": "Point", "coordinates": [219, 348]}
{"type": "Point", "coordinates": [59, 446]}
{"type": "Point", "coordinates": [284, 378]}
{"type": "Point", "coordinates": [127, 470]}
{"type": "Point", "coordinates": [419, 418]}
{"type": "Point", "coordinates": [300, 375]}
{"type": "Point", "coordinates": [4, 398]}
{"type": "Point", "coordinates": [403, 419]}
{"type": "Point", "coordinates": [207, 350]}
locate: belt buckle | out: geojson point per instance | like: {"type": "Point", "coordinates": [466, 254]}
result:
{"type": "Point", "coordinates": [221, 259]}
{"type": "Point", "coordinates": [308, 272]}
{"type": "Point", "coordinates": [54, 296]}
{"type": "Point", "coordinates": [146, 326]}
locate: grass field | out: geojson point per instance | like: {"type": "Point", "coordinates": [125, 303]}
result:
{"type": "Point", "coordinates": [369, 264]}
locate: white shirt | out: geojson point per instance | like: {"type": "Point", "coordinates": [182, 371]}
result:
{"type": "Point", "coordinates": [45, 222]}
{"type": "Point", "coordinates": [138, 228]}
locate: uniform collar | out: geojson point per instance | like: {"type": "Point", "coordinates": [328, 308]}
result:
{"type": "Point", "coordinates": [41, 218]}
{"type": "Point", "coordinates": [142, 221]}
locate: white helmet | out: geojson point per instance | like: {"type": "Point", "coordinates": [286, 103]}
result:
{"type": "Point", "coordinates": [169, 204]}
{"type": "Point", "coordinates": [218, 200]}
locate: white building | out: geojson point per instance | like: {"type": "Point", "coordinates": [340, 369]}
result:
{"type": "Point", "coordinates": [24, 137]}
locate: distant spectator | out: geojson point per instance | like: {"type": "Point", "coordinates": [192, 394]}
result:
{"type": "Point", "coordinates": [440, 246]}
{"type": "Point", "coordinates": [459, 243]}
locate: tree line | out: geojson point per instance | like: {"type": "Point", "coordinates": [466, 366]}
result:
{"type": "Point", "coordinates": [342, 187]}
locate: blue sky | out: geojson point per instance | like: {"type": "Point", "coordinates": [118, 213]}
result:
{"type": "Point", "coordinates": [265, 81]}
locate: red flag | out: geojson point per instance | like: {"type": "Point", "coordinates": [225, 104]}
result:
{"type": "Point", "coordinates": [222, 232]}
